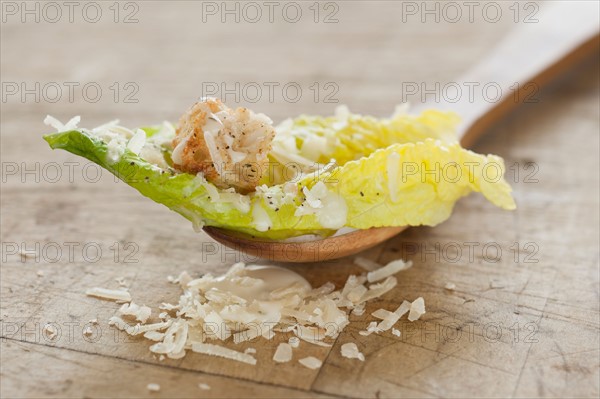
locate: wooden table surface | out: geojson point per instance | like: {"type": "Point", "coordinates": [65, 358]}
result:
{"type": "Point", "coordinates": [523, 320]}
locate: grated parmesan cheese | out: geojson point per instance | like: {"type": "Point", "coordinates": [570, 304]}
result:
{"type": "Point", "coordinates": [311, 362]}
{"type": "Point", "coordinates": [261, 219]}
{"type": "Point", "coordinates": [391, 268]}
{"type": "Point", "coordinates": [154, 335]}
{"type": "Point", "coordinates": [377, 290]}
{"type": "Point", "coordinates": [141, 313]}
{"type": "Point", "coordinates": [50, 331]}
{"type": "Point", "coordinates": [283, 354]}
{"type": "Point", "coordinates": [350, 351]}
{"type": "Point", "coordinates": [203, 386]}
{"type": "Point", "coordinates": [153, 387]}
{"type": "Point", "coordinates": [359, 310]}
{"type": "Point", "coordinates": [417, 309]}
{"type": "Point", "coordinates": [104, 293]}
{"type": "Point", "coordinates": [221, 351]}
{"type": "Point", "coordinates": [381, 314]}
{"type": "Point", "coordinates": [55, 123]}
{"type": "Point", "coordinates": [138, 328]}
{"type": "Point", "coordinates": [392, 317]}
{"type": "Point", "coordinates": [366, 264]}
{"type": "Point", "coordinates": [137, 142]}
{"type": "Point", "coordinates": [294, 342]}
{"type": "Point", "coordinates": [118, 139]}
{"type": "Point", "coordinates": [371, 328]}
{"type": "Point", "coordinates": [253, 302]}
{"type": "Point", "coordinates": [329, 207]}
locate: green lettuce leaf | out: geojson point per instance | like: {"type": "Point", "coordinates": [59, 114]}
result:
{"type": "Point", "coordinates": [406, 170]}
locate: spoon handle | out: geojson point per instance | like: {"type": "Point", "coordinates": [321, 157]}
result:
{"type": "Point", "coordinates": [527, 59]}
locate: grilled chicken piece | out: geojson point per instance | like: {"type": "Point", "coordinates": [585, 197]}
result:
{"type": "Point", "coordinates": [228, 146]}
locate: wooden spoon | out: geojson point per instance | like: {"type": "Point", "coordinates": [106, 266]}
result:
{"type": "Point", "coordinates": [528, 59]}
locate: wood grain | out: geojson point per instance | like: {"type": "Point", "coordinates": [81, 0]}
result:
{"type": "Point", "coordinates": [529, 322]}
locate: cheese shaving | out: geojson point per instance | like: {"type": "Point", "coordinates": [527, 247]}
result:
{"type": "Point", "coordinates": [153, 387]}
{"type": "Point", "coordinates": [377, 290]}
{"type": "Point", "coordinates": [392, 317]}
{"type": "Point", "coordinates": [366, 264]}
{"type": "Point", "coordinates": [55, 123]}
{"type": "Point", "coordinates": [391, 268]}
{"type": "Point", "coordinates": [283, 354]}
{"type": "Point", "coordinates": [154, 335]}
{"type": "Point", "coordinates": [311, 362]}
{"type": "Point", "coordinates": [138, 328]}
{"type": "Point", "coordinates": [381, 314]}
{"type": "Point", "coordinates": [254, 302]}
{"type": "Point", "coordinates": [141, 313]}
{"type": "Point", "coordinates": [104, 293]}
{"type": "Point", "coordinates": [371, 328]}
{"type": "Point", "coordinates": [137, 142]}
{"type": "Point", "coordinates": [310, 334]}
{"type": "Point", "coordinates": [50, 331]}
{"type": "Point", "coordinates": [417, 309]}
{"type": "Point", "coordinates": [221, 351]}
{"type": "Point", "coordinates": [350, 351]}
{"type": "Point", "coordinates": [450, 286]}
{"type": "Point", "coordinates": [203, 386]}
{"type": "Point", "coordinates": [359, 310]}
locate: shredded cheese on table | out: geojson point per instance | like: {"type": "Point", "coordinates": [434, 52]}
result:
{"type": "Point", "coordinates": [350, 350]}
{"type": "Point", "coordinates": [153, 387]}
{"type": "Point", "coordinates": [246, 303]}
{"type": "Point", "coordinates": [311, 362]}
{"type": "Point", "coordinates": [115, 295]}
{"type": "Point", "coordinates": [283, 354]}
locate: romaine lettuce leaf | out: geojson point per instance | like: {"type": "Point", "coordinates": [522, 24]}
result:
{"type": "Point", "coordinates": [406, 170]}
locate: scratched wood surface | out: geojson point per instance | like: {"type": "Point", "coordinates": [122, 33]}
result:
{"type": "Point", "coordinates": [520, 323]}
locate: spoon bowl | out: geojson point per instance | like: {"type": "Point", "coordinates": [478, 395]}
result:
{"type": "Point", "coordinates": [315, 250]}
